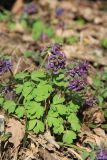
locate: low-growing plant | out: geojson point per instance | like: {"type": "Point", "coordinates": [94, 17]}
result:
{"type": "Point", "coordinates": [104, 43]}
{"type": "Point", "coordinates": [51, 98]}
{"type": "Point", "coordinates": [72, 40]}
{"type": "Point", "coordinates": [40, 28]}
{"type": "Point", "coordinates": [4, 15]}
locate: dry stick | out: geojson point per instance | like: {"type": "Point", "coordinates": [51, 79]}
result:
{"type": "Point", "coordinates": [70, 150]}
{"type": "Point", "coordinates": [1, 133]}
{"type": "Point", "coordinates": [17, 66]}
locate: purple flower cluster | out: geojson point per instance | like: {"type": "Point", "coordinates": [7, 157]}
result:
{"type": "Point", "coordinates": [59, 11]}
{"type": "Point", "coordinates": [102, 155]}
{"type": "Point", "coordinates": [30, 8]}
{"type": "Point", "coordinates": [5, 65]}
{"type": "Point", "coordinates": [90, 101]}
{"type": "Point", "coordinates": [78, 74]}
{"type": "Point", "coordinates": [57, 59]}
{"type": "Point", "coordinates": [77, 84]}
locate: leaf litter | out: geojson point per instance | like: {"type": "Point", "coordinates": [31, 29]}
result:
{"type": "Point", "coordinates": [90, 30]}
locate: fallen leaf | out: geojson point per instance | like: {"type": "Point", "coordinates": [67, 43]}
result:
{"type": "Point", "coordinates": [50, 139]}
{"type": "Point", "coordinates": [98, 117]}
{"type": "Point", "coordinates": [17, 129]}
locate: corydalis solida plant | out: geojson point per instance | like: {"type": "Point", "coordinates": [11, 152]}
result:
{"type": "Point", "coordinates": [77, 74]}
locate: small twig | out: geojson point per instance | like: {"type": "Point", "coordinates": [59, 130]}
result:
{"type": "Point", "coordinates": [1, 132]}
{"type": "Point", "coordinates": [44, 60]}
{"type": "Point", "coordinates": [17, 66]}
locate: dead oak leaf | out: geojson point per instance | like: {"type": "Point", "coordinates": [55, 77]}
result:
{"type": "Point", "coordinates": [17, 129]}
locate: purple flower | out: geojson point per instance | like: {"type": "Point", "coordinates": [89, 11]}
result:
{"type": "Point", "coordinates": [30, 8]}
{"type": "Point", "coordinates": [57, 59]}
{"type": "Point", "coordinates": [82, 68]}
{"type": "Point", "coordinates": [77, 84]}
{"type": "Point", "coordinates": [90, 101]}
{"type": "Point", "coordinates": [102, 155]}
{"type": "Point", "coordinates": [59, 11]}
{"type": "Point", "coordinates": [5, 65]}
{"type": "Point", "coordinates": [78, 75]}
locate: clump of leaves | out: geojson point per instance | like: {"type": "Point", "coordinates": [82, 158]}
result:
{"type": "Point", "coordinates": [80, 21]}
{"type": "Point", "coordinates": [4, 15]}
{"type": "Point", "coordinates": [39, 28]}
{"type": "Point", "coordinates": [104, 43]}
{"type": "Point", "coordinates": [47, 97]}
{"type": "Point", "coordinates": [72, 39]}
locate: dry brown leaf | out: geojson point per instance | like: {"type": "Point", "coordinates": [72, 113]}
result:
{"type": "Point", "coordinates": [98, 117]}
{"type": "Point", "coordinates": [81, 52]}
{"type": "Point", "coordinates": [17, 6]}
{"type": "Point", "coordinates": [17, 129]}
{"type": "Point", "coordinates": [71, 151]}
{"type": "Point", "coordinates": [100, 132]}
{"type": "Point", "coordinates": [48, 156]}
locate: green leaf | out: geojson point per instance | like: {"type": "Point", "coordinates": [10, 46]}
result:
{"type": "Point", "coordinates": [20, 111]}
{"type": "Point", "coordinates": [10, 106]}
{"type": "Point", "coordinates": [85, 155]}
{"type": "Point", "coordinates": [1, 101]}
{"type": "Point", "coordinates": [75, 126]}
{"type": "Point", "coordinates": [31, 124]}
{"type": "Point", "coordinates": [72, 39]}
{"type": "Point", "coordinates": [69, 136]}
{"type": "Point", "coordinates": [58, 129]}
{"type": "Point", "coordinates": [38, 75]}
{"type": "Point", "coordinates": [105, 113]}
{"type": "Point", "coordinates": [61, 109]}
{"type": "Point", "coordinates": [35, 109]}
{"type": "Point", "coordinates": [4, 16]}
{"type": "Point", "coordinates": [104, 94]}
{"type": "Point", "coordinates": [49, 31]}
{"type": "Point", "coordinates": [104, 43]}
{"type": "Point", "coordinates": [93, 156]}
{"type": "Point", "coordinates": [104, 76]}
{"type": "Point", "coordinates": [39, 127]}
{"type": "Point", "coordinates": [72, 107]}
{"type": "Point", "coordinates": [72, 118]}
{"type": "Point", "coordinates": [29, 53]}
{"type": "Point", "coordinates": [56, 122]}
{"type": "Point", "coordinates": [42, 92]}
{"type": "Point", "coordinates": [57, 99]}
{"type": "Point", "coordinates": [27, 90]}
{"type": "Point", "coordinates": [74, 121]}
{"type": "Point", "coordinates": [52, 113]}
{"type": "Point", "coordinates": [38, 28]}
{"type": "Point", "coordinates": [11, 26]}
{"type": "Point", "coordinates": [18, 88]}
{"type": "Point", "coordinates": [21, 75]}
{"type": "Point", "coordinates": [60, 83]}
{"type": "Point", "coordinates": [100, 100]}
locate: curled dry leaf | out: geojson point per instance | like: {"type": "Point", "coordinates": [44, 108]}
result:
{"type": "Point", "coordinates": [17, 129]}
{"type": "Point", "coordinates": [50, 139]}
{"type": "Point", "coordinates": [98, 117]}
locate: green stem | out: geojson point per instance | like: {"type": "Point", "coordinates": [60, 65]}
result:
{"type": "Point", "coordinates": [44, 60]}
{"type": "Point", "coordinates": [19, 98]}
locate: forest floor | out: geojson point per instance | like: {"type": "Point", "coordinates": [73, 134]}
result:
{"type": "Point", "coordinates": [25, 32]}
